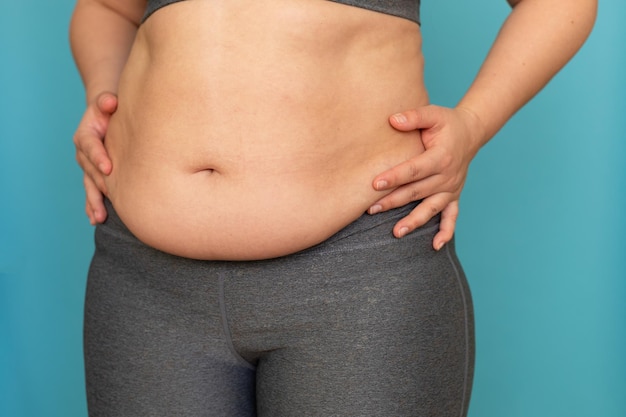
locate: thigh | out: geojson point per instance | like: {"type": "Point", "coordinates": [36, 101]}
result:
{"type": "Point", "coordinates": [153, 337]}
{"type": "Point", "coordinates": [379, 331]}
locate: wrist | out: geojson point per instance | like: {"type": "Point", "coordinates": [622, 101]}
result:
{"type": "Point", "coordinates": [476, 126]}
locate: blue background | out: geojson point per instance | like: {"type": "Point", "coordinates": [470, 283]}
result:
{"type": "Point", "coordinates": [542, 232]}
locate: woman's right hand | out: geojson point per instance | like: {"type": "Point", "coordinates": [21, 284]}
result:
{"type": "Point", "coordinates": [91, 154]}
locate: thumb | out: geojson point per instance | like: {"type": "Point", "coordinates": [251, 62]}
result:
{"type": "Point", "coordinates": [107, 102]}
{"type": "Point", "coordinates": [425, 117]}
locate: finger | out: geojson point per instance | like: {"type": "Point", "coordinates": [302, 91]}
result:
{"type": "Point", "coordinates": [91, 151]}
{"type": "Point", "coordinates": [107, 102]}
{"type": "Point", "coordinates": [417, 168]}
{"type": "Point", "coordinates": [425, 117]}
{"type": "Point", "coordinates": [89, 212]}
{"type": "Point", "coordinates": [95, 175]}
{"type": "Point", "coordinates": [406, 194]}
{"type": "Point", "coordinates": [421, 214]}
{"type": "Point", "coordinates": [95, 202]}
{"type": "Point", "coordinates": [449, 217]}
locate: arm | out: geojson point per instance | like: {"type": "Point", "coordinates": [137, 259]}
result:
{"type": "Point", "coordinates": [101, 35]}
{"type": "Point", "coordinates": [535, 42]}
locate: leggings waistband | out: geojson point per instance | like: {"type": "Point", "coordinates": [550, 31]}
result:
{"type": "Point", "coordinates": [365, 232]}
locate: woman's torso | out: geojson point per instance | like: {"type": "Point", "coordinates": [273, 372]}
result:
{"type": "Point", "coordinates": [249, 130]}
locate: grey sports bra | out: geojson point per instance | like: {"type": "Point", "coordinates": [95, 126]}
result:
{"type": "Point", "coordinates": [408, 9]}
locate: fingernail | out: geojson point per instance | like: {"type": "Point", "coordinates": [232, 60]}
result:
{"type": "Point", "coordinates": [403, 231]}
{"type": "Point", "coordinates": [376, 208]}
{"type": "Point", "coordinates": [399, 117]}
{"type": "Point", "coordinates": [381, 184]}
{"type": "Point", "coordinates": [439, 245]}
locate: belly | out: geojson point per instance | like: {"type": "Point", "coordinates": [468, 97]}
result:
{"type": "Point", "coordinates": [250, 131]}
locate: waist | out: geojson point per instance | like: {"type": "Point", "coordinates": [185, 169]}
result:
{"type": "Point", "coordinates": [263, 209]}
{"type": "Point", "coordinates": [239, 136]}
{"type": "Point", "coordinates": [203, 197]}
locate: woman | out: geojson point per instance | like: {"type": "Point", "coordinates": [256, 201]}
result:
{"type": "Point", "coordinates": [236, 273]}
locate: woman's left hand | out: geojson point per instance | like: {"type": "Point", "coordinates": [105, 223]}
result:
{"type": "Point", "coordinates": [451, 137]}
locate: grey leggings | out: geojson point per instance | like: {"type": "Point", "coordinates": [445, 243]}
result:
{"type": "Point", "coordinates": [361, 325]}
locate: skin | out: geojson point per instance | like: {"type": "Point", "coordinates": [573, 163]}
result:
{"type": "Point", "coordinates": [519, 64]}
{"type": "Point", "coordinates": [225, 161]}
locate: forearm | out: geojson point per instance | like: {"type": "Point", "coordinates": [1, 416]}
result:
{"type": "Point", "coordinates": [536, 41]}
{"type": "Point", "coordinates": [101, 35]}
